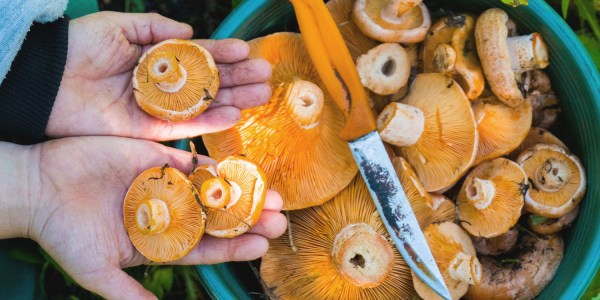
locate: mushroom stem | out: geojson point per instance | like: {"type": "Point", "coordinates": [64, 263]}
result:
{"type": "Point", "coordinates": [480, 192]}
{"type": "Point", "coordinates": [215, 193]}
{"type": "Point", "coordinates": [305, 101]}
{"type": "Point", "coordinates": [153, 216]}
{"type": "Point", "coordinates": [527, 52]}
{"type": "Point", "coordinates": [362, 256]}
{"type": "Point", "coordinates": [552, 175]}
{"type": "Point", "coordinates": [400, 124]}
{"type": "Point", "coordinates": [465, 268]}
{"type": "Point", "coordinates": [396, 8]}
{"type": "Point", "coordinates": [444, 58]}
{"type": "Point", "coordinates": [165, 70]}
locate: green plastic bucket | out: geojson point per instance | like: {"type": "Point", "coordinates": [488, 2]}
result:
{"type": "Point", "coordinates": [575, 80]}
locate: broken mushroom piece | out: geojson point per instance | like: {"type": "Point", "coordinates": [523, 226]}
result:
{"type": "Point", "coordinates": [175, 80]}
{"type": "Point", "coordinates": [557, 179]}
{"type": "Point", "coordinates": [523, 276]}
{"type": "Point", "coordinates": [343, 251]}
{"type": "Point", "coordinates": [456, 258]}
{"type": "Point", "coordinates": [433, 128]}
{"type": "Point", "coordinates": [161, 214]}
{"type": "Point", "coordinates": [536, 135]}
{"type": "Point", "coordinates": [501, 128]}
{"type": "Point", "coordinates": [502, 56]}
{"type": "Point", "coordinates": [384, 69]}
{"type": "Point", "coordinates": [450, 49]}
{"type": "Point", "coordinates": [543, 225]}
{"type": "Point", "coordinates": [491, 198]}
{"type": "Point", "coordinates": [497, 245]}
{"type": "Point", "coordinates": [295, 137]}
{"type": "Point", "coordinates": [233, 194]}
{"type": "Point", "coordinates": [392, 21]}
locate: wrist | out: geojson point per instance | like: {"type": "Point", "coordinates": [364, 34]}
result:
{"type": "Point", "coordinates": [17, 195]}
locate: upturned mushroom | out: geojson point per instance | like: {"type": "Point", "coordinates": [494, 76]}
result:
{"type": "Point", "coordinates": [392, 21]}
{"type": "Point", "coordinates": [384, 69]}
{"type": "Point", "coordinates": [343, 251]}
{"type": "Point", "coordinates": [491, 198]}
{"type": "Point", "coordinates": [295, 137]}
{"type": "Point", "coordinates": [557, 178]}
{"type": "Point", "coordinates": [456, 258]}
{"type": "Point", "coordinates": [537, 135]}
{"type": "Point", "coordinates": [434, 129]}
{"type": "Point", "coordinates": [162, 217]}
{"type": "Point", "coordinates": [175, 80]}
{"type": "Point", "coordinates": [502, 56]}
{"type": "Point", "coordinates": [450, 49]}
{"type": "Point", "coordinates": [497, 245]}
{"type": "Point", "coordinates": [522, 276]}
{"type": "Point", "coordinates": [233, 193]}
{"type": "Point", "coordinates": [501, 128]}
{"type": "Point", "coordinates": [543, 225]}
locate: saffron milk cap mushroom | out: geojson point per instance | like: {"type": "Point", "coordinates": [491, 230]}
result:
{"type": "Point", "coordinates": [175, 80]}
{"type": "Point", "coordinates": [557, 178]}
{"type": "Point", "coordinates": [491, 198]}
{"type": "Point", "coordinates": [543, 225]}
{"type": "Point", "coordinates": [455, 256]}
{"type": "Point", "coordinates": [162, 217]}
{"type": "Point", "coordinates": [384, 69]}
{"type": "Point", "coordinates": [537, 135]}
{"type": "Point", "coordinates": [496, 245]}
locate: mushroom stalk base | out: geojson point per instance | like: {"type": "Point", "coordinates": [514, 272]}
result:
{"type": "Point", "coordinates": [153, 216]}
{"type": "Point", "coordinates": [465, 268]}
{"type": "Point", "coordinates": [527, 52]}
{"type": "Point", "coordinates": [305, 101]}
{"type": "Point", "coordinates": [401, 124]}
{"type": "Point", "coordinates": [552, 175]}
{"type": "Point", "coordinates": [480, 192]}
{"type": "Point", "coordinates": [215, 193]}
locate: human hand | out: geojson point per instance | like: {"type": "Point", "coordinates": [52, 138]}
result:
{"type": "Point", "coordinates": [95, 96]}
{"type": "Point", "coordinates": [77, 215]}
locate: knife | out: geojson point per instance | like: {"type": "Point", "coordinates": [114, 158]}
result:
{"type": "Point", "coordinates": [335, 66]}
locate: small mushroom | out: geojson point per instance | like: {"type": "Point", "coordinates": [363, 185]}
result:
{"type": "Point", "coordinates": [392, 21]}
{"type": "Point", "coordinates": [433, 128]}
{"type": "Point", "coordinates": [233, 193]}
{"type": "Point", "coordinates": [557, 178]}
{"type": "Point", "coordinates": [384, 69]}
{"type": "Point", "coordinates": [502, 56]}
{"type": "Point", "coordinates": [501, 128]}
{"type": "Point", "coordinates": [456, 258]}
{"type": "Point", "coordinates": [523, 276]}
{"type": "Point", "coordinates": [175, 80]}
{"type": "Point", "coordinates": [161, 214]}
{"type": "Point", "coordinates": [491, 198]}
{"type": "Point", "coordinates": [543, 225]}
{"type": "Point", "coordinates": [295, 137]}
{"type": "Point", "coordinates": [343, 251]}
{"type": "Point", "coordinates": [497, 245]}
{"type": "Point", "coordinates": [537, 135]}
{"type": "Point", "coordinates": [545, 103]}
{"type": "Point", "coordinates": [450, 49]}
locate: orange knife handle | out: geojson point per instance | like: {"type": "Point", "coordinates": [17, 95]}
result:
{"type": "Point", "coordinates": [335, 66]}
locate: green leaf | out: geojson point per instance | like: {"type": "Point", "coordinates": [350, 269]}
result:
{"type": "Point", "coordinates": [565, 7]}
{"type": "Point", "coordinates": [515, 3]}
{"type": "Point", "coordinates": [588, 14]}
{"type": "Point", "coordinates": [593, 47]}
{"type": "Point", "coordinates": [25, 251]}
{"type": "Point", "coordinates": [159, 280]}
{"type": "Point", "coordinates": [190, 279]}
{"type": "Point", "coordinates": [537, 220]}
{"type": "Point", "coordinates": [593, 291]}
{"type": "Point", "coordinates": [509, 260]}
{"type": "Point", "coordinates": [135, 6]}
{"type": "Point", "coordinates": [236, 3]}
{"type": "Point", "coordinates": [68, 280]}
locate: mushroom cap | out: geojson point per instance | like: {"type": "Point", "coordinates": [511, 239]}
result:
{"type": "Point", "coordinates": [498, 244]}
{"type": "Point", "coordinates": [491, 36]}
{"type": "Point", "coordinates": [537, 135]}
{"type": "Point", "coordinates": [411, 27]}
{"type": "Point", "coordinates": [446, 240]}
{"type": "Point", "coordinates": [246, 204]}
{"type": "Point", "coordinates": [448, 144]}
{"type": "Point", "coordinates": [427, 208]}
{"type": "Point", "coordinates": [533, 268]}
{"type": "Point", "coordinates": [457, 31]}
{"type": "Point", "coordinates": [312, 272]}
{"type": "Point", "coordinates": [307, 165]}
{"type": "Point", "coordinates": [552, 225]}
{"type": "Point", "coordinates": [501, 128]}
{"type": "Point", "coordinates": [186, 219]}
{"type": "Point", "coordinates": [504, 208]}
{"type": "Point", "coordinates": [557, 178]}
{"type": "Point", "coordinates": [200, 86]}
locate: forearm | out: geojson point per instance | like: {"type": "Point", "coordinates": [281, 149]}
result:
{"type": "Point", "coordinates": [16, 195]}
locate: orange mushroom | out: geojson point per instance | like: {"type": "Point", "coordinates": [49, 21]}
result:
{"type": "Point", "coordinates": [175, 80]}
{"type": "Point", "coordinates": [295, 137]}
{"type": "Point", "coordinates": [233, 192]}
{"type": "Point", "coordinates": [537, 135]}
{"type": "Point", "coordinates": [161, 214]}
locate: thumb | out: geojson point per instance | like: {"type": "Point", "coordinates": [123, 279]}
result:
{"type": "Point", "coordinates": [150, 28]}
{"type": "Point", "coordinates": [113, 283]}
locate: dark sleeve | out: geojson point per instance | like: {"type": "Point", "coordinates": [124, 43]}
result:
{"type": "Point", "coordinates": [28, 92]}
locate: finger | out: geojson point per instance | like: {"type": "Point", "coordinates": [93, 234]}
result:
{"type": "Point", "coordinates": [244, 96]}
{"type": "Point", "coordinates": [150, 28]}
{"type": "Point", "coordinates": [113, 283]}
{"type": "Point", "coordinates": [245, 72]}
{"type": "Point", "coordinates": [273, 201]}
{"type": "Point", "coordinates": [270, 225]}
{"type": "Point", "coordinates": [226, 51]}
{"type": "Point", "coordinates": [212, 250]}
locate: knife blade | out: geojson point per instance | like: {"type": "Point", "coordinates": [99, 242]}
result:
{"type": "Point", "coordinates": [331, 57]}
